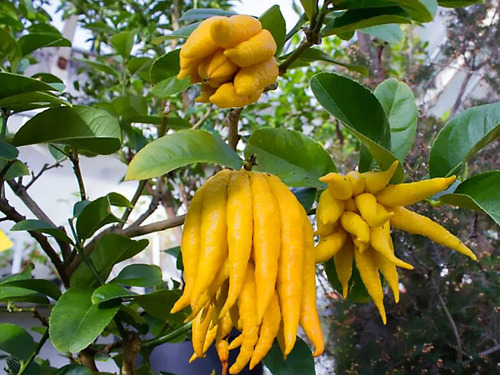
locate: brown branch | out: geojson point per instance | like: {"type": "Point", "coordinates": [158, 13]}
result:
{"type": "Point", "coordinates": [453, 327]}
{"type": "Point", "coordinates": [131, 347]}
{"type": "Point", "coordinates": [232, 119]}
{"type": "Point", "coordinates": [458, 100]}
{"type": "Point", "coordinates": [22, 193]}
{"type": "Point", "coordinates": [75, 160]}
{"type": "Point", "coordinates": [87, 358]}
{"type": "Point", "coordinates": [153, 227]}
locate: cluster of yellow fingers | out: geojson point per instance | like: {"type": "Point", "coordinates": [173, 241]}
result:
{"type": "Point", "coordinates": [354, 218]}
{"type": "Point", "coordinates": [248, 255]}
{"type": "Point", "coordinates": [232, 58]}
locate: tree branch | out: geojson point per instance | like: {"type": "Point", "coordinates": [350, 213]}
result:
{"type": "Point", "coordinates": [453, 327]}
{"type": "Point", "coordinates": [232, 119]}
{"type": "Point", "coordinates": [75, 160]}
{"type": "Point", "coordinates": [22, 193]}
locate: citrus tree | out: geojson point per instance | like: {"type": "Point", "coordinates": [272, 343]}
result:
{"type": "Point", "coordinates": [141, 100]}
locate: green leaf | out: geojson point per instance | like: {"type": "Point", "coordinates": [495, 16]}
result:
{"type": "Point", "coordinates": [31, 100]}
{"type": "Point", "coordinates": [15, 84]}
{"type": "Point", "coordinates": [310, 7]}
{"type": "Point", "coordinates": [52, 80]}
{"type": "Point", "coordinates": [388, 33]}
{"type": "Point", "coordinates": [480, 192]}
{"type": "Point", "coordinates": [159, 304]}
{"type": "Point", "coordinates": [110, 249]}
{"type": "Point", "coordinates": [86, 128]}
{"type": "Point", "coordinates": [7, 151]}
{"type": "Point", "coordinates": [16, 341]}
{"type": "Point", "coordinates": [357, 19]}
{"type": "Point", "coordinates": [276, 152]}
{"type": "Point", "coordinates": [10, 293]}
{"type": "Point", "coordinates": [109, 292]}
{"type": "Point", "coordinates": [32, 42]}
{"type": "Point", "coordinates": [357, 290]}
{"type": "Point", "coordinates": [42, 286]}
{"type": "Point", "coordinates": [181, 33]}
{"type": "Point", "coordinates": [306, 197]}
{"type": "Point", "coordinates": [75, 322]}
{"type": "Point", "coordinates": [462, 137]}
{"type": "Point", "coordinates": [202, 13]}
{"type": "Point", "coordinates": [42, 227]}
{"type": "Point", "coordinates": [118, 200]}
{"type": "Point", "coordinates": [179, 149]}
{"type": "Point", "coordinates": [170, 86]}
{"type": "Point", "coordinates": [399, 105]}
{"type": "Point", "coordinates": [360, 111]}
{"type": "Point", "coordinates": [136, 65]}
{"type": "Point", "coordinates": [94, 216]}
{"type": "Point", "coordinates": [299, 362]}
{"type": "Point", "coordinates": [315, 54]}
{"type": "Point", "coordinates": [177, 254]}
{"type": "Point", "coordinates": [74, 369]}
{"type": "Point", "coordinates": [457, 3]}
{"type": "Point", "coordinates": [419, 10]}
{"type": "Point", "coordinates": [165, 66]}
{"type": "Point", "coordinates": [104, 68]}
{"type": "Point", "coordinates": [18, 169]}
{"type": "Point", "coordinates": [170, 122]}
{"type": "Point", "coordinates": [139, 275]}
{"type": "Point", "coordinates": [128, 106]}
{"type": "Point", "coordinates": [9, 49]}
{"type": "Point", "coordinates": [274, 21]}
{"type": "Point", "coordinates": [123, 42]}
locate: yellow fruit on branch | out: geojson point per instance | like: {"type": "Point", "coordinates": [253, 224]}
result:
{"type": "Point", "coordinates": [365, 205]}
{"type": "Point", "coordinates": [249, 262]}
{"type": "Point", "coordinates": [233, 56]}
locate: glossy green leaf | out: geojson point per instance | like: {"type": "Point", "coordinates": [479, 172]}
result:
{"type": "Point", "coordinates": [170, 86]}
{"type": "Point", "coordinates": [360, 111]}
{"type": "Point", "coordinates": [202, 13]}
{"type": "Point", "coordinates": [274, 21]}
{"type": "Point", "coordinates": [104, 68]}
{"type": "Point", "coordinates": [42, 227]}
{"type": "Point", "coordinates": [52, 80]}
{"type": "Point", "coordinates": [110, 249]}
{"type": "Point", "coordinates": [388, 33]}
{"type": "Point", "coordinates": [31, 100]}
{"type": "Point", "coordinates": [86, 128]}
{"type": "Point", "coordinates": [177, 254]}
{"type": "Point", "coordinates": [139, 275]}
{"type": "Point", "coordinates": [480, 192]}
{"type": "Point", "coordinates": [165, 66]}
{"type": "Point", "coordinates": [15, 84]}
{"type": "Point", "coordinates": [276, 153]}
{"type": "Point", "coordinates": [45, 287]}
{"type": "Point", "coordinates": [462, 137]}
{"type": "Point", "coordinates": [75, 322]}
{"type": "Point", "coordinates": [108, 292]}
{"type": "Point", "coordinates": [315, 54]}
{"type": "Point", "coordinates": [18, 169]}
{"type": "Point", "coordinates": [136, 65]}
{"type": "Point", "coordinates": [357, 290]}
{"type": "Point", "coordinates": [9, 49]}
{"type": "Point", "coordinates": [357, 19]}
{"type": "Point", "coordinates": [457, 3]}
{"type": "Point", "coordinates": [74, 369]}
{"type": "Point", "coordinates": [179, 149]}
{"type": "Point", "coordinates": [16, 341]}
{"type": "Point", "coordinates": [299, 362]}
{"type": "Point", "coordinates": [159, 304]}
{"type": "Point", "coordinates": [11, 293]}
{"type": "Point", "coordinates": [118, 200]}
{"type": "Point", "coordinates": [7, 151]}
{"type": "Point", "coordinates": [306, 197]}
{"type": "Point", "coordinates": [310, 7]}
{"type": "Point", "coordinates": [400, 107]}
{"type": "Point", "coordinates": [128, 106]}
{"type": "Point", "coordinates": [182, 32]}
{"type": "Point", "coordinates": [419, 10]}
{"type": "Point", "coordinates": [123, 42]}
{"type": "Point", "coordinates": [32, 42]}
{"type": "Point", "coordinates": [94, 216]}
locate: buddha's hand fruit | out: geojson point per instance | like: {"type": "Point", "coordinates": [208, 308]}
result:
{"type": "Point", "coordinates": [354, 218]}
{"type": "Point", "coordinates": [233, 59]}
{"type": "Point", "coordinates": [248, 250]}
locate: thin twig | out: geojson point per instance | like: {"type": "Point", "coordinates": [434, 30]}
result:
{"type": "Point", "coordinates": [134, 200]}
{"type": "Point", "coordinates": [453, 327]}
{"type": "Point", "coordinates": [46, 167]}
{"type": "Point", "coordinates": [22, 193]}
{"type": "Point", "coordinates": [233, 119]}
{"type": "Point", "coordinates": [153, 227]}
{"type": "Point", "coordinates": [75, 160]}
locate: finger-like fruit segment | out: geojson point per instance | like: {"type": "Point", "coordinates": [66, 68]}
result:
{"type": "Point", "coordinates": [414, 223]}
{"type": "Point", "coordinates": [369, 274]}
{"type": "Point", "coordinates": [259, 48]}
{"type": "Point", "coordinates": [200, 329]}
{"type": "Point", "coordinates": [357, 182]}
{"type": "Point", "coordinates": [343, 266]}
{"type": "Point", "coordinates": [339, 187]}
{"type": "Point", "coordinates": [406, 194]}
{"type": "Point", "coordinates": [380, 240]}
{"type": "Point", "coordinates": [192, 72]}
{"type": "Point", "coordinates": [256, 77]}
{"type": "Point", "coordinates": [374, 214]}
{"type": "Point", "coordinates": [200, 43]}
{"type": "Point", "coordinates": [328, 212]}
{"type": "Point", "coordinates": [226, 97]}
{"type": "Point", "coordinates": [217, 68]}
{"type": "Point", "coordinates": [267, 241]}
{"type": "Point", "coordinates": [329, 246]}
{"type": "Point", "coordinates": [291, 258]}
{"type": "Point", "coordinates": [228, 32]}
{"type": "Point", "coordinates": [206, 93]}
{"type": "Point", "coordinates": [354, 224]}
{"type": "Point", "coordinates": [376, 181]}
{"type": "Point", "coordinates": [388, 270]}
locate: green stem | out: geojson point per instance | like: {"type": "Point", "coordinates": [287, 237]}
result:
{"type": "Point", "coordinates": [134, 200]}
{"type": "Point", "coordinates": [5, 116]}
{"type": "Point", "coordinates": [26, 364]}
{"type": "Point", "coordinates": [167, 337]}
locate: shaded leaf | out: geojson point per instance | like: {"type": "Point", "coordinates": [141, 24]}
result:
{"type": "Point", "coordinates": [399, 105]}
{"type": "Point", "coordinates": [32, 42]}
{"type": "Point", "coordinates": [86, 128]}
{"type": "Point", "coordinates": [165, 66]}
{"type": "Point", "coordinates": [388, 33]}
{"type": "Point", "coordinates": [202, 13]}
{"type": "Point", "coordinates": [42, 227]}
{"type": "Point", "coordinates": [274, 21]}
{"type": "Point", "coordinates": [480, 192]}
{"type": "Point", "coordinates": [75, 322]}
{"type": "Point", "coordinates": [14, 84]}
{"type": "Point", "coordinates": [18, 169]}
{"type": "Point", "coordinates": [306, 197]}
{"type": "Point", "coordinates": [276, 153]}
{"type": "Point", "coordinates": [7, 151]}
{"type": "Point", "coordinates": [139, 275]}
{"type": "Point", "coordinates": [31, 100]}
{"type": "Point", "coordinates": [38, 285]}
{"type": "Point", "coordinates": [16, 341]}
{"type": "Point", "coordinates": [108, 292]}
{"type": "Point", "coordinates": [357, 290]}
{"type": "Point", "coordinates": [299, 362]}
{"type": "Point", "coordinates": [52, 80]}
{"type": "Point", "coordinates": [9, 49]}
{"type": "Point", "coordinates": [457, 3]}
{"type": "Point", "coordinates": [110, 249]}
{"type": "Point", "coordinates": [170, 86]}
{"type": "Point", "coordinates": [462, 137]}
{"type": "Point", "coordinates": [74, 369]}
{"type": "Point", "coordinates": [12, 293]}
{"type": "Point", "coordinates": [310, 7]}
{"type": "Point", "coordinates": [179, 149]}
{"type": "Point", "coordinates": [159, 304]}
{"type": "Point", "coordinates": [94, 216]}
{"type": "Point", "coordinates": [123, 42]}
{"type": "Point", "coordinates": [181, 32]}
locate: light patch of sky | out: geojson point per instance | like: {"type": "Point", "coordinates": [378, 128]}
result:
{"type": "Point", "coordinates": [251, 7]}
